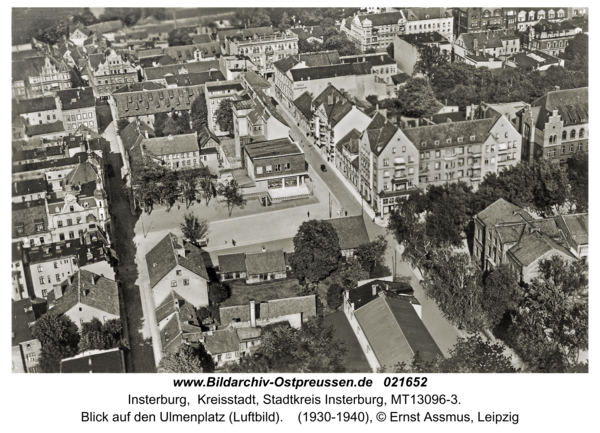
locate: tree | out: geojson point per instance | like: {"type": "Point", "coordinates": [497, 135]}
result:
{"type": "Point", "coordinates": [172, 127]}
{"type": "Point", "coordinates": [199, 114]}
{"type": "Point", "coordinates": [207, 186]}
{"type": "Point", "coordinates": [372, 254]}
{"type": "Point", "coordinates": [501, 293]}
{"type": "Point", "coordinates": [372, 99]}
{"type": "Point", "coordinates": [284, 24]}
{"type": "Point", "coordinates": [57, 340]}
{"type": "Point", "coordinates": [448, 213]}
{"type": "Point", "coordinates": [146, 182]}
{"type": "Point", "coordinates": [347, 275]}
{"type": "Point", "coordinates": [390, 49]}
{"type": "Point", "coordinates": [185, 360]}
{"type": "Point", "coordinates": [469, 355]}
{"type": "Point", "coordinates": [194, 228]}
{"type": "Point", "coordinates": [96, 335]}
{"type": "Point", "coordinates": [335, 40]}
{"type": "Point", "coordinates": [224, 115]}
{"type": "Point", "coordinates": [86, 17]}
{"type": "Point", "coordinates": [169, 188]}
{"type": "Point", "coordinates": [283, 349]}
{"type": "Point", "coordinates": [211, 312]}
{"type": "Point", "coordinates": [577, 53]}
{"type": "Point", "coordinates": [76, 80]}
{"type": "Point", "coordinates": [578, 174]}
{"type": "Point", "coordinates": [430, 58]}
{"type": "Point", "coordinates": [316, 251]}
{"type": "Point", "coordinates": [335, 296]}
{"type": "Point", "coordinates": [178, 37]}
{"type": "Point", "coordinates": [260, 19]}
{"type": "Point", "coordinates": [188, 181]}
{"type": "Point", "coordinates": [121, 125]}
{"type": "Point", "coordinates": [232, 194]}
{"type": "Point", "coordinates": [218, 293]}
{"type": "Point", "coordinates": [455, 284]}
{"type": "Point", "coordinates": [416, 99]}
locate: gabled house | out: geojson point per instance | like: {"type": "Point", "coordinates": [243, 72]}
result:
{"type": "Point", "coordinates": [30, 223]}
{"type": "Point", "coordinates": [177, 323]}
{"type": "Point", "coordinates": [177, 152]}
{"type": "Point", "coordinates": [109, 71]}
{"type": "Point", "coordinates": [84, 296]}
{"type": "Point", "coordinates": [25, 349]}
{"type": "Point", "coordinates": [177, 266]}
{"type": "Point", "coordinates": [491, 44]}
{"type": "Point", "coordinates": [253, 267]}
{"type": "Point", "coordinates": [79, 34]}
{"type": "Point", "coordinates": [78, 108]}
{"type": "Point", "coordinates": [351, 232]}
{"type": "Point", "coordinates": [346, 156]}
{"type": "Point", "coordinates": [95, 361]}
{"type": "Point", "coordinates": [38, 111]}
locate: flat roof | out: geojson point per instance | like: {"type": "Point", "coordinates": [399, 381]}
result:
{"type": "Point", "coordinates": [265, 149]}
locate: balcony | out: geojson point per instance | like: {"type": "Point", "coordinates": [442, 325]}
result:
{"type": "Point", "coordinates": [476, 150]}
{"type": "Point", "coordinates": [399, 162]}
{"type": "Point", "coordinates": [477, 164]}
{"type": "Point", "coordinates": [450, 157]}
{"type": "Point", "coordinates": [400, 174]}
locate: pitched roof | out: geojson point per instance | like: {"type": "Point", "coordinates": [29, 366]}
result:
{"type": "Point", "coordinates": [400, 78]}
{"type": "Point", "coordinates": [379, 59]}
{"type": "Point", "coordinates": [201, 39]}
{"type": "Point", "coordinates": [379, 132]}
{"type": "Point", "coordinates": [232, 263]}
{"type": "Point", "coordinates": [547, 26]}
{"type": "Point", "coordinates": [266, 149]}
{"type": "Point", "coordinates": [265, 261]}
{"type": "Point", "coordinates": [304, 104]}
{"type": "Point", "coordinates": [156, 101]}
{"type": "Point", "coordinates": [255, 81]}
{"type": "Point", "coordinates": [351, 231]}
{"type": "Point", "coordinates": [534, 245]}
{"type": "Point", "coordinates": [22, 315]}
{"type": "Point", "coordinates": [194, 79]}
{"type": "Point", "coordinates": [363, 294]}
{"type": "Point", "coordinates": [339, 107]}
{"type": "Point", "coordinates": [158, 72]}
{"type": "Point", "coordinates": [44, 103]}
{"type": "Point", "coordinates": [27, 215]}
{"type": "Point", "coordinates": [207, 135]}
{"type": "Point", "coordinates": [164, 257]}
{"type": "Point", "coordinates": [29, 186]}
{"type": "Point", "coordinates": [137, 87]}
{"type": "Point", "coordinates": [350, 142]}
{"type": "Point", "coordinates": [534, 59]}
{"type": "Point", "coordinates": [103, 295]}
{"type": "Point", "coordinates": [160, 146]}
{"type": "Point", "coordinates": [95, 361]}
{"type": "Point", "coordinates": [413, 14]}
{"type": "Point", "coordinates": [488, 39]}
{"type": "Point", "coordinates": [81, 174]}
{"type": "Point", "coordinates": [186, 52]}
{"type": "Point", "coordinates": [330, 71]}
{"type": "Point", "coordinates": [45, 128]}
{"type": "Point", "coordinates": [320, 58]}
{"type": "Point", "coordinates": [578, 227]}
{"type": "Point", "coordinates": [245, 33]}
{"type": "Point", "coordinates": [429, 134]}
{"type": "Point", "coordinates": [384, 19]}
{"type": "Point", "coordinates": [502, 211]}
{"type": "Point", "coordinates": [395, 332]}
{"type": "Point", "coordinates": [222, 341]}
{"type": "Point", "coordinates": [572, 105]}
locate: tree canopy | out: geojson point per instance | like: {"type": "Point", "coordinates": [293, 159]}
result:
{"type": "Point", "coordinates": [430, 58]}
{"type": "Point", "coordinates": [578, 174]}
{"type": "Point", "coordinates": [231, 194]}
{"type": "Point", "coordinates": [185, 360]}
{"type": "Point", "coordinates": [224, 115]}
{"type": "Point", "coordinates": [179, 37]}
{"type": "Point", "coordinates": [96, 335]}
{"type": "Point", "coordinates": [416, 98]}
{"type": "Point", "coordinates": [57, 340]}
{"type": "Point", "coordinates": [316, 251]}
{"type": "Point", "coordinates": [199, 114]}
{"type": "Point", "coordinates": [193, 228]}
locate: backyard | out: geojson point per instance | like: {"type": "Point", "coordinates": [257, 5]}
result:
{"type": "Point", "coordinates": [241, 293]}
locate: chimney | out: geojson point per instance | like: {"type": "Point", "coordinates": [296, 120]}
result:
{"type": "Point", "coordinates": [58, 291]}
{"type": "Point", "coordinates": [252, 313]}
{"type": "Point", "coordinates": [377, 106]}
{"type": "Point", "coordinates": [146, 134]}
{"type": "Point", "coordinates": [82, 147]}
{"type": "Point", "coordinates": [93, 279]}
{"type": "Point", "coordinates": [170, 138]}
{"type": "Point", "coordinates": [557, 88]}
{"type": "Point", "coordinates": [374, 289]}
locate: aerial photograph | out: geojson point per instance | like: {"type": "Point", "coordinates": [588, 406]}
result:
{"type": "Point", "coordinates": [299, 190]}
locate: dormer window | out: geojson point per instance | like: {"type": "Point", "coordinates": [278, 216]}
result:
{"type": "Point", "coordinates": [460, 139]}
{"type": "Point", "coordinates": [436, 142]}
{"type": "Point", "coordinates": [423, 144]}
{"type": "Point", "coordinates": [472, 138]}
{"type": "Point", "coordinates": [448, 140]}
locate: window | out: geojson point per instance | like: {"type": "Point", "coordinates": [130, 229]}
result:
{"type": "Point", "coordinates": [173, 283]}
{"type": "Point", "coordinates": [55, 265]}
{"type": "Point", "coordinates": [186, 282]}
{"type": "Point", "coordinates": [71, 235]}
{"type": "Point", "coordinates": [39, 268]}
{"type": "Point", "coordinates": [386, 162]}
{"type": "Point", "coordinates": [579, 146]}
{"type": "Point", "coordinates": [581, 133]}
{"type": "Point", "coordinates": [259, 170]}
{"type": "Point", "coordinates": [572, 133]}
{"type": "Point", "coordinates": [437, 165]}
{"type": "Point", "coordinates": [269, 168]}
{"type": "Point", "coordinates": [571, 148]}
{"type": "Point", "coordinates": [44, 293]}
{"type": "Point", "coordinates": [178, 273]}
{"type": "Point", "coordinates": [437, 153]}
{"type": "Point", "coordinates": [277, 167]}
{"type": "Point", "coordinates": [562, 150]}
{"type": "Point", "coordinates": [386, 173]}
{"type": "Point", "coordinates": [42, 280]}
{"type": "Point", "coordinates": [287, 166]}
{"type": "Point", "coordinates": [57, 278]}
{"type": "Point", "coordinates": [30, 357]}
{"type": "Point", "coordinates": [427, 155]}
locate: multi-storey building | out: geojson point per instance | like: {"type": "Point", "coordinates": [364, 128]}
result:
{"type": "Point", "coordinates": [334, 116]}
{"type": "Point", "coordinates": [277, 169]}
{"type": "Point", "coordinates": [382, 64]}
{"type": "Point", "coordinates": [19, 283]}
{"type": "Point", "coordinates": [406, 48]}
{"type": "Point", "coordinates": [550, 38]}
{"type": "Point", "coordinates": [284, 83]}
{"type": "Point", "coordinates": [177, 152]}
{"type": "Point", "coordinates": [109, 71]}
{"type": "Point", "coordinates": [555, 126]}
{"type": "Point", "coordinates": [79, 34]}
{"type": "Point", "coordinates": [263, 51]}
{"type": "Point", "coordinates": [214, 94]}
{"type": "Point", "coordinates": [507, 234]}
{"type": "Point", "coordinates": [377, 31]}
{"type": "Point", "coordinates": [38, 111]}
{"type": "Point", "coordinates": [29, 190]}
{"type": "Point", "coordinates": [78, 108]}
{"type": "Point", "coordinates": [39, 76]}
{"type": "Point", "coordinates": [346, 156]}
{"type": "Point", "coordinates": [30, 223]}
{"type": "Point", "coordinates": [529, 17]}
{"type": "Point", "coordinates": [465, 150]}
{"type": "Point", "coordinates": [491, 44]}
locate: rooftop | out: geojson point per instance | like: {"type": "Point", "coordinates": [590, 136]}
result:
{"type": "Point", "coordinates": [73, 99]}
{"type": "Point", "coordinates": [156, 101]}
{"type": "Point", "coordinates": [265, 262]}
{"type": "Point", "coordinates": [160, 146]}
{"type": "Point", "coordinates": [158, 72]}
{"type": "Point", "coordinates": [331, 71]}
{"type": "Point", "coordinates": [95, 361]}
{"type": "Point", "coordinates": [33, 105]}
{"type": "Point", "coordinates": [242, 293]}
{"type": "Point", "coordinates": [272, 148]}
{"type": "Point", "coordinates": [423, 38]}
{"type": "Point", "coordinates": [351, 231]}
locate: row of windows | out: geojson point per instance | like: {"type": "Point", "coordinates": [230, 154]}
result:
{"type": "Point", "coordinates": [180, 155]}
{"type": "Point", "coordinates": [552, 152]}
{"type": "Point", "coordinates": [74, 126]}
{"type": "Point", "coordinates": [186, 282]}
{"type": "Point", "coordinates": [59, 262]}
{"type": "Point", "coordinates": [73, 118]}
{"type": "Point", "coordinates": [269, 168]}
{"type": "Point", "coordinates": [553, 138]}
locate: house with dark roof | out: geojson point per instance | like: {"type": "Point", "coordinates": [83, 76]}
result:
{"type": "Point", "coordinates": [177, 323]}
{"type": "Point", "coordinates": [30, 222]}
{"type": "Point", "coordinates": [490, 44]}
{"type": "Point", "coordinates": [351, 231]}
{"type": "Point", "coordinates": [158, 73]}
{"type": "Point", "coordinates": [388, 326]}
{"type": "Point", "coordinates": [109, 70]}
{"type": "Point", "coordinates": [335, 114]}
{"type": "Point", "coordinates": [84, 296]}
{"type": "Point", "coordinates": [177, 152]}
{"type": "Point", "coordinates": [309, 33]}
{"type": "Point", "coordinates": [253, 267]}
{"type": "Point", "coordinates": [507, 234]}
{"type": "Point", "coordinates": [25, 349]}
{"type": "Point", "coordinates": [95, 361]}
{"type": "Point", "coordinates": [31, 189]}
{"type": "Point", "coordinates": [535, 60]}
{"type": "Point", "coordinates": [193, 79]}
{"type": "Point", "coordinates": [215, 93]}
{"type": "Point", "coordinates": [48, 130]}
{"type": "Point", "coordinates": [40, 76]}
{"type": "Point", "coordinates": [177, 266]}
{"type": "Point", "coordinates": [346, 156]}
{"type": "Point", "coordinates": [549, 37]}
{"type": "Point", "coordinates": [556, 125]}
{"type": "Point", "coordinates": [382, 64]}
{"type": "Point", "coordinates": [78, 108]}
{"type": "Point", "coordinates": [37, 111]}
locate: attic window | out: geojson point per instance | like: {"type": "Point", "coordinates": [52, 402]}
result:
{"type": "Point", "coordinates": [436, 142]}
{"type": "Point", "coordinates": [472, 138]}
{"type": "Point", "coordinates": [423, 144]}
{"type": "Point", "coordinates": [448, 140]}
{"type": "Point", "coordinates": [460, 139]}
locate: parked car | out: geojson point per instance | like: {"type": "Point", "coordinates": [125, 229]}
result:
{"type": "Point", "coordinates": [323, 168]}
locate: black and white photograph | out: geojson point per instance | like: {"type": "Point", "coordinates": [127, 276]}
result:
{"type": "Point", "coordinates": [399, 194]}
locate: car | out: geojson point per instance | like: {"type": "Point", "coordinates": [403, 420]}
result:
{"type": "Point", "coordinates": [323, 168]}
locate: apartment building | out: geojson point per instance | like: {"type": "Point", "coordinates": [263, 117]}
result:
{"type": "Point", "coordinates": [37, 111]}
{"type": "Point", "coordinates": [109, 71]}
{"type": "Point", "coordinates": [550, 38]}
{"type": "Point", "coordinates": [177, 152]}
{"type": "Point", "coordinates": [382, 65]}
{"type": "Point", "coordinates": [39, 76]}
{"type": "Point", "coordinates": [468, 47]}
{"type": "Point", "coordinates": [214, 94]}
{"type": "Point", "coordinates": [78, 108]}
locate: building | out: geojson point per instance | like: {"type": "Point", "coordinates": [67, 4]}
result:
{"type": "Point", "coordinates": [265, 49]}
{"type": "Point", "coordinates": [29, 190]}
{"type": "Point", "coordinates": [491, 43]}
{"type": "Point", "coordinates": [507, 234]}
{"type": "Point", "coordinates": [38, 111]}
{"type": "Point", "coordinates": [253, 267]}
{"type": "Point", "coordinates": [79, 34]}
{"type": "Point", "coordinates": [25, 349]}
{"type": "Point", "coordinates": [406, 48]}
{"type": "Point", "coordinates": [19, 283]}
{"type": "Point", "coordinates": [30, 223]}
{"type": "Point", "coordinates": [108, 71]}
{"type": "Point", "coordinates": [474, 20]}
{"type": "Point", "coordinates": [214, 94]}
{"type": "Point", "coordinates": [351, 232]}
{"type": "Point", "coordinates": [382, 64]}
{"type": "Point", "coordinates": [277, 170]}
{"type": "Point", "coordinates": [193, 79]}
{"type": "Point", "coordinates": [550, 38]}
{"type": "Point", "coordinates": [346, 156]}
{"type": "Point", "coordinates": [335, 114]}
{"type": "Point", "coordinates": [555, 126]}
{"type": "Point", "coordinates": [78, 108]}
{"type": "Point", "coordinates": [310, 33]}
{"type": "Point", "coordinates": [174, 265]}
{"type": "Point", "coordinates": [50, 131]}
{"type": "Point", "coordinates": [389, 329]}
{"type": "Point", "coordinates": [177, 152]}
{"type": "Point", "coordinates": [377, 31]}
{"type": "Point", "coordinates": [84, 296]}
{"type": "Point", "coordinates": [283, 78]}
{"type": "Point", "coordinates": [39, 76]}
{"type": "Point", "coordinates": [95, 361]}
{"type": "Point", "coordinates": [177, 322]}
{"type": "Point", "coordinates": [158, 73]}
{"type": "Point", "coordinates": [529, 17]}
{"type": "Point", "coordinates": [534, 61]}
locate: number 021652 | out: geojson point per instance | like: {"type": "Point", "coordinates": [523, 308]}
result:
{"type": "Point", "coordinates": [410, 381]}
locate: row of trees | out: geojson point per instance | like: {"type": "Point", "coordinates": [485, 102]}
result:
{"type": "Point", "coordinates": [60, 340]}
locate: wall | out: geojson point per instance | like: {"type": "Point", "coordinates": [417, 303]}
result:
{"type": "Point", "coordinates": [17, 362]}
{"type": "Point", "coordinates": [274, 129]}
{"type": "Point", "coordinates": [196, 292]}
{"type": "Point", "coordinates": [62, 267]}
{"type": "Point", "coordinates": [360, 336]}
{"type": "Point", "coordinates": [405, 55]}
{"type": "Point", "coordinates": [30, 352]}
{"type": "Point", "coordinates": [297, 165]}
{"type": "Point", "coordinates": [86, 116]}
{"type": "Point", "coordinates": [255, 278]}
{"type": "Point", "coordinates": [87, 313]}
